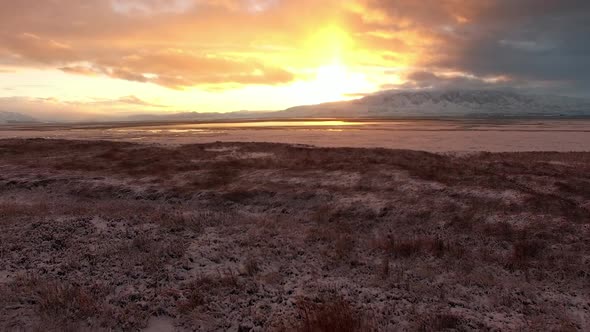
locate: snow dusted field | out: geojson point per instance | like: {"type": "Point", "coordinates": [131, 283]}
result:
{"type": "Point", "coordinates": [109, 236]}
{"type": "Point", "coordinates": [426, 135]}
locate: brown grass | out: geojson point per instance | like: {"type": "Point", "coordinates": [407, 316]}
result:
{"type": "Point", "coordinates": [251, 266]}
{"type": "Point", "coordinates": [439, 322]}
{"type": "Point", "coordinates": [524, 251]}
{"type": "Point", "coordinates": [60, 305]}
{"type": "Point", "coordinates": [332, 314]}
{"type": "Point", "coordinates": [419, 246]}
{"type": "Point", "coordinates": [202, 291]}
{"type": "Point", "coordinates": [65, 302]}
{"type": "Point", "coordinates": [200, 235]}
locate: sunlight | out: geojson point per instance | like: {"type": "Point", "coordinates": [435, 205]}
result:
{"type": "Point", "coordinates": [328, 44]}
{"type": "Point", "coordinates": [333, 75]}
{"type": "Point", "coordinates": [248, 124]}
{"type": "Point", "coordinates": [333, 82]}
{"type": "Point", "coordinates": [330, 78]}
{"type": "Point", "coordinates": [337, 82]}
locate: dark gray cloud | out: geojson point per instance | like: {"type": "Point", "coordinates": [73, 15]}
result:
{"type": "Point", "coordinates": [542, 42]}
{"type": "Point", "coordinates": [537, 43]}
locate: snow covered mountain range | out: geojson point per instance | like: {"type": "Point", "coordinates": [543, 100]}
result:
{"type": "Point", "coordinates": [449, 103]}
{"type": "Point", "coordinates": [433, 104]}
{"type": "Point", "coordinates": [13, 117]}
{"type": "Point", "coordinates": [413, 104]}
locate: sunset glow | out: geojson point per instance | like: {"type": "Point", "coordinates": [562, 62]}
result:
{"type": "Point", "coordinates": [84, 59]}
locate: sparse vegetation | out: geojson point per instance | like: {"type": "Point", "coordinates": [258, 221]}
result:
{"type": "Point", "coordinates": [104, 236]}
{"type": "Point", "coordinates": [443, 321]}
{"type": "Point", "coordinates": [332, 314]}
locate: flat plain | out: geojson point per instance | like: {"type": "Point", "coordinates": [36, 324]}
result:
{"type": "Point", "coordinates": [499, 135]}
{"type": "Point", "coordinates": [102, 235]}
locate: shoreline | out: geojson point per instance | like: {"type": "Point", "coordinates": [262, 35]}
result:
{"type": "Point", "coordinates": [424, 135]}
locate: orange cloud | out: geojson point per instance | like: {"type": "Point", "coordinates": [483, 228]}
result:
{"type": "Point", "coordinates": [179, 70]}
{"type": "Point", "coordinates": [201, 43]}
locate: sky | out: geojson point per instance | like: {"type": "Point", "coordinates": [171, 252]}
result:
{"type": "Point", "coordinates": [73, 59]}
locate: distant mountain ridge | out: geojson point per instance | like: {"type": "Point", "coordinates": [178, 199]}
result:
{"type": "Point", "coordinates": [449, 103]}
{"type": "Point", "coordinates": [427, 104]}
{"type": "Point", "coordinates": [413, 104]}
{"type": "Point", "coordinates": [13, 117]}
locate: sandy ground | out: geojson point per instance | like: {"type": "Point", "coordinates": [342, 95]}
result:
{"type": "Point", "coordinates": [113, 236]}
{"type": "Point", "coordinates": [434, 136]}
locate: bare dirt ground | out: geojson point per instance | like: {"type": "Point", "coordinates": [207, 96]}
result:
{"type": "Point", "coordinates": [425, 135]}
{"type": "Point", "coordinates": [272, 237]}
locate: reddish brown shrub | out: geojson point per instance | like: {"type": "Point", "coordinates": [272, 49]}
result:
{"type": "Point", "coordinates": [419, 246]}
{"type": "Point", "coordinates": [439, 322]}
{"type": "Point", "coordinates": [217, 177]}
{"type": "Point", "coordinates": [66, 302]}
{"type": "Point", "coordinates": [332, 315]}
{"type": "Point", "coordinates": [524, 251]}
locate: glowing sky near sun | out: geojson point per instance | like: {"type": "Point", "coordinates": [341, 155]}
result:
{"type": "Point", "coordinates": [76, 59]}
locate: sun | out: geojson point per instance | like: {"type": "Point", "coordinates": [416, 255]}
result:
{"type": "Point", "coordinates": [334, 75]}
{"type": "Point", "coordinates": [326, 68]}
{"type": "Point", "coordinates": [337, 82]}
{"type": "Point", "coordinates": [329, 76]}
{"type": "Point", "coordinates": [331, 82]}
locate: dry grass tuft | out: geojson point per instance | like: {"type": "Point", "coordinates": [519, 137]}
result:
{"type": "Point", "coordinates": [218, 177]}
{"type": "Point", "coordinates": [524, 251]}
{"type": "Point", "coordinates": [65, 302]}
{"type": "Point", "coordinates": [203, 290]}
{"type": "Point", "coordinates": [439, 322]}
{"type": "Point", "coordinates": [60, 305]}
{"type": "Point", "coordinates": [332, 314]}
{"type": "Point", "coordinates": [419, 246]}
{"type": "Point", "coordinates": [251, 266]}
